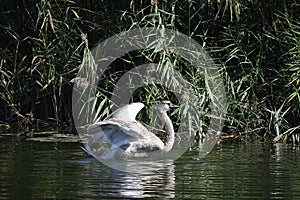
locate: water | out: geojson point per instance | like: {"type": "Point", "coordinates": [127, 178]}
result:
{"type": "Point", "coordinates": [35, 170]}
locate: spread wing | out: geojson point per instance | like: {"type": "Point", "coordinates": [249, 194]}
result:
{"type": "Point", "coordinates": [117, 132]}
{"type": "Point", "coordinates": [126, 113]}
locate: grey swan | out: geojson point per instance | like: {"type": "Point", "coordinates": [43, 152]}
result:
{"type": "Point", "coordinates": [126, 137]}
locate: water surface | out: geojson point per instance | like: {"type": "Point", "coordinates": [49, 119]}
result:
{"type": "Point", "coordinates": [49, 170]}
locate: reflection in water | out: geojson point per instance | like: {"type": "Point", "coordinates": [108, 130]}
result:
{"type": "Point", "coordinates": [249, 171]}
{"type": "Point", "coordinates": [30, 170]}
{"type": "Point", "coordinates": [140, 178]}
{"type": "Point", "coordinates": [283, 159]}
{"type": "Point", "coordinates": [152, 179]}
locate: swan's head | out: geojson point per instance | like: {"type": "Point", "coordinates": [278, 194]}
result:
{"type": "Point", "coordinates": [164, 106]}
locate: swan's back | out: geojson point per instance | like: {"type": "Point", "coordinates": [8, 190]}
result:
{"type": "Point", "coordinates": [126, 136]}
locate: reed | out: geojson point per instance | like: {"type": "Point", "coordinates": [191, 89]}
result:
{"type": "Point", "coordinates": [254, 43]}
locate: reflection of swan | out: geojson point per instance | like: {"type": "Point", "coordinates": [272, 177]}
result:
{"type": "Point", "coordinates": [128, 137]}
{"type": "Point", "coordinates": [154, 179]}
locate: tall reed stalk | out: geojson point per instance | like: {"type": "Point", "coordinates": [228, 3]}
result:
{"type": "Point", "coordinates": [254, 43]}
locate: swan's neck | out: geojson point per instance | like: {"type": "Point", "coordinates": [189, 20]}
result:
{"type": "Point", "coordinates": [167, 124]}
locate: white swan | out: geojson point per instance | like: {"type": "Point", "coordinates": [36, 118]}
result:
{"type": "Point", "coordinates": [127, 137]}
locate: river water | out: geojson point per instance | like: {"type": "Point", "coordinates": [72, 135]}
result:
{"type": "Point", "coordinates": [49, 170]}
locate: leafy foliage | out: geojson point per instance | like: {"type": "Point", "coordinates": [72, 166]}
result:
{"type": "Point", "coordinates": [254, 43]}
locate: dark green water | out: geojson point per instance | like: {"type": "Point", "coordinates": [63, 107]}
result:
{"type": "Point", "coordinates": [34, 170]}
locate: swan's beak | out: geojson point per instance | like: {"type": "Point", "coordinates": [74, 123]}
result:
{"type": "Point", "coordinates": [173, 106]}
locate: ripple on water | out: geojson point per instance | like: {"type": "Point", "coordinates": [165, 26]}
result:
{"type": "Point", "coordinates": [31, 170]}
